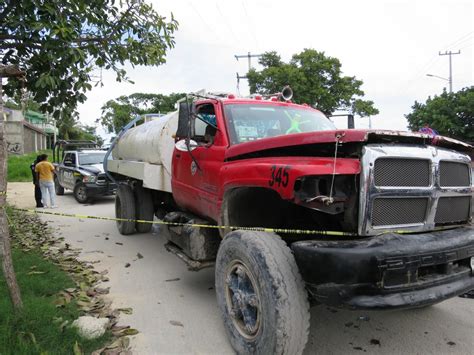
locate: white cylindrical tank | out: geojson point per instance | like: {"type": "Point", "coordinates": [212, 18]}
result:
{"type": "Point", "coordinates": [151, 142]}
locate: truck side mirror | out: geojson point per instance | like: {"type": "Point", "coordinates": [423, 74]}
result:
{"type": "Point", "coordinates": [182, 147]}
{"type": "Point", "coordinates": [185, 111]}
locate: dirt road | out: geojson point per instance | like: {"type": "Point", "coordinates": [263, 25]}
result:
{"type": "Point", "coordinates": [176, 312]}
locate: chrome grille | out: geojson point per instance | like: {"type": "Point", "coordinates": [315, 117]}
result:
{"type": "Point", "coordinates": [413, 188]}
{"type": "Point", "coordinates": [453, 209]}
{"type": "Point", "coordinates": [402, 172]}
{"type": "Point", "coordinates": [398, 211]}
{"type": "Point", "coordinates": [454, 174]}
{"type": "Point", "coordinates": [101, 179]}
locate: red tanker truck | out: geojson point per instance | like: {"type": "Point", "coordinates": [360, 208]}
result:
{"type": "Point", "coordinates": [292, 211]}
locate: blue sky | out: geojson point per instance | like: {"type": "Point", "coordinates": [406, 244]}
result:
{"type": "Point", "coordinates": [390, 45]}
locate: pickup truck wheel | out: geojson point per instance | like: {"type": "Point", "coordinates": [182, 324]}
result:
{"type": "Point", "coordinates": [57, 187]}
{"type": "Point", "coordinates": [261, 294]}
{"type": "Point", "coordinates": [144, 209]}
{"type": "Point", "coordinates": [80, 193]}
{"type": "Point", "coordinates": [125, 208]}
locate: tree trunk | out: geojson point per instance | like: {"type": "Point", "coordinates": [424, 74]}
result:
{"type": "Point", "coordinates": [5, 247]}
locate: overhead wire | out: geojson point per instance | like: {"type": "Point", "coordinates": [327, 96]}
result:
{"type": "Point", "coordinates": [227, 23]}
{"type": "Point", "coordinates": [251, 25]}
{"type": "Point", "coordinates": [211, 29]}
{"type": "Point", "coordinates": [434, 60]}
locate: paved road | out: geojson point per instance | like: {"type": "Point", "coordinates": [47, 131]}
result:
{"type": "Point", "coordinates": [176, 312]}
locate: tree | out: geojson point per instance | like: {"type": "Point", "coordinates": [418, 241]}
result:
{"type": "Point", "coordinates": [60, 43]}
{"type": "Point", "coordinates": [118, 112]}
{"type": "Point", "coordinates": [315, 78]}
{"type": "Point", "coordinates": [5, 246]}
{"type": "Point", "coordinates": [70, 129]}
{"type": "Point", "coordinates": [451, 114]}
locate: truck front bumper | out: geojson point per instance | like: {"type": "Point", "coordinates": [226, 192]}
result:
{"type": "Point", "coordinates": [94, 189]}
{"type": "Point", "coordinates": [388, 271]}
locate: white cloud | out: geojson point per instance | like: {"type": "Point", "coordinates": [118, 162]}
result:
{"type": "Point", "coordinates": [390, 45]}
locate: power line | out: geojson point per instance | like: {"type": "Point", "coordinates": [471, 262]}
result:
{"type": "Point", "coordinates": [251, 24]}
{"type": "Point", "coordinates": [227, 23]}
{"type": "Point", "coordinates": [461, 39]}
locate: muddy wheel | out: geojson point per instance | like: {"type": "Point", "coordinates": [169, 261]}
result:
{"type": "Point", "coordinates": [144, 209]}
{"type": "Point", "coordinates": [261, 295]}
{"type": "Point", "coordinates": [58, 188]}
{"type": "Point", "coordinates": [80, 193]}
{"type": "Point", "coordinates": [125, 208]}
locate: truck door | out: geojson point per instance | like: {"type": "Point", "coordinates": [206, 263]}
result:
{"type": "Point", "coordinates": [66, 171]}
{"type": "Point", "coordinates": [196, 174]}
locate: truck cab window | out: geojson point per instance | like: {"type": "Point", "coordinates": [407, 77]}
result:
{"type": "Point", "coordinates": [205, 124]}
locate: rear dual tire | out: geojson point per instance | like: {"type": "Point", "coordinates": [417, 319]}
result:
{"type": "Point", "coordinates": [125, 210]}
{"type": "Point", "coordinates": [131, 206]}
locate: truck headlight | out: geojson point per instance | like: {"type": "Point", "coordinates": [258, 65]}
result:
{"type": "Point", "coordinates": [90, 178]}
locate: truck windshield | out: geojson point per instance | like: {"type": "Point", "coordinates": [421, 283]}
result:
{"type": "Point", "coordinates": [91, 158]}
{"type": "Point", "coordinates": [251, 122]}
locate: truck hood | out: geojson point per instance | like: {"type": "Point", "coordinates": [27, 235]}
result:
{"type": "Point", "coordinates": [272, 146]}
{"type": "Point", "coordinates": [93, 169]}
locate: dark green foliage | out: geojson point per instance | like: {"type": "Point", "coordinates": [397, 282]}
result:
{"type": "Point", "coordinates": [71, 129]}
{"type": "Point", "coordinates": [315, 79]}
{"type": "Point", "coordinates": [451, 114]}
{"type": "Point", "coordinates": [117, 113]}
{"type": "Point", "coordinates": [60, 43]}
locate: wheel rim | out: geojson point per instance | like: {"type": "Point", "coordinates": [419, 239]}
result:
{"type": "Point", "coordinates": [243, 299]}
{"type": "Point", "coordinates": [81, 193]}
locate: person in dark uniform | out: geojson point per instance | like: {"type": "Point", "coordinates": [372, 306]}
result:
{"type": "Point", "coordinates": [38, 196]}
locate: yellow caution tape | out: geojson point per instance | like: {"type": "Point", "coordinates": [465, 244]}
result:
{"type": "Point", "coordinates": [196, 225]}
{"type": "Point", "coordinates": [213, 226]}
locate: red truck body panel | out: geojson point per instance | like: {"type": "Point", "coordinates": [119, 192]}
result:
{"type": "Point", "coordinates": [201, 179]}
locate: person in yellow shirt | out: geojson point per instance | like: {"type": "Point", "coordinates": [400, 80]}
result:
{"type": "Point", "coordinates": [45, 171]}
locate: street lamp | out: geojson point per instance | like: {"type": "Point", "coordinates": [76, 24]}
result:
{"type": "Point", "coordinates": [440, 77]}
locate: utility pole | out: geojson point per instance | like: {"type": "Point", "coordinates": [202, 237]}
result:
{"type": "Point", "coordinates": [450, 80]}
{"type": "Point", "coordinates": [249, 56]}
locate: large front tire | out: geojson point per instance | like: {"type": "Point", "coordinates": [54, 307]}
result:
{"type": "Point", "coordinates": [125, 209]}
{"type": "Point", "coordinates": [261, 295]}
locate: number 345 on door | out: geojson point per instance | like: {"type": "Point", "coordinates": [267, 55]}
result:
{"type": "Point", "coordinates": [280, 176]}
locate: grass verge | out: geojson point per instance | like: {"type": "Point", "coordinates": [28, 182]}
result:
{"type": "Point", "coordinates": [19, 166]}
{"type": "Point", "coordinates": [56, 289]}
{"type": "Point", "coordinates": [41, 326]}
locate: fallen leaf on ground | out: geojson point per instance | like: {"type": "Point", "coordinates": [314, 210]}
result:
{"type": "Point", "coordinates": [125, 310]}
{"type": "Point", "coordinates": [176, 323]}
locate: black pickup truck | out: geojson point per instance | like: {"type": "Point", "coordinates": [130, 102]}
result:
{"type": "Point", "coordinates": [79, 167]}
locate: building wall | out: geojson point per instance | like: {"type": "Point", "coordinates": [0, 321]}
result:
{"type": "Point", "coordinates": [14, 137]}
{"type": "Point", "coordinates": [22, 139]}
{"type": "Point", "coordinates": [30, 141]}
{"type": "Point", "coordinates": [15, 116]}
